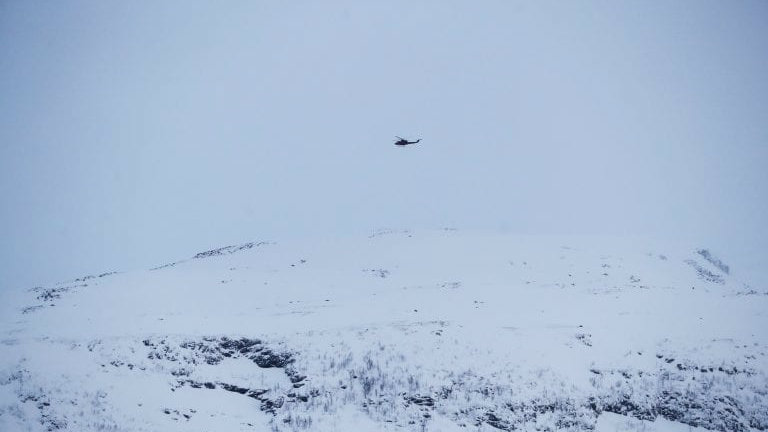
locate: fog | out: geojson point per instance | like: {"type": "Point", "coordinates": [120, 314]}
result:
{"type": "Point", "coordinates": [137, 133]}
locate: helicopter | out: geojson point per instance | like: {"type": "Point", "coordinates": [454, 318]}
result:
{"type": "Point", "coordinates": [404, 142]}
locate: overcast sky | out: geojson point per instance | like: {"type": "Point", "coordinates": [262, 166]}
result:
{"type": "Point", "coordinates": [137, 133]}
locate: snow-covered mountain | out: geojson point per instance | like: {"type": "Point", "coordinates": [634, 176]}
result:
{"type": "Point", "coordinates": [411, 331]}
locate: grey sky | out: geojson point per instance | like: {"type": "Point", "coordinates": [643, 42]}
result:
{"type": "Point", "coordinates": [135, 133]}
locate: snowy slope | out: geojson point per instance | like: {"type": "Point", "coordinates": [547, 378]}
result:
{"type": "Point", "coordinates": [437, 331]}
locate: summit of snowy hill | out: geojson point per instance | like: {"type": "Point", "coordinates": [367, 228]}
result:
{"type": "Point", "coordinates": [398, 330]}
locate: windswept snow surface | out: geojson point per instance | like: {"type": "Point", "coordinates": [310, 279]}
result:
{"type": "Point", "coordinates": [401, 331]}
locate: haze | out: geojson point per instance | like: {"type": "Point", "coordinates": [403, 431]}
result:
{"type": "Point", "coordinates": [137, 133]}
